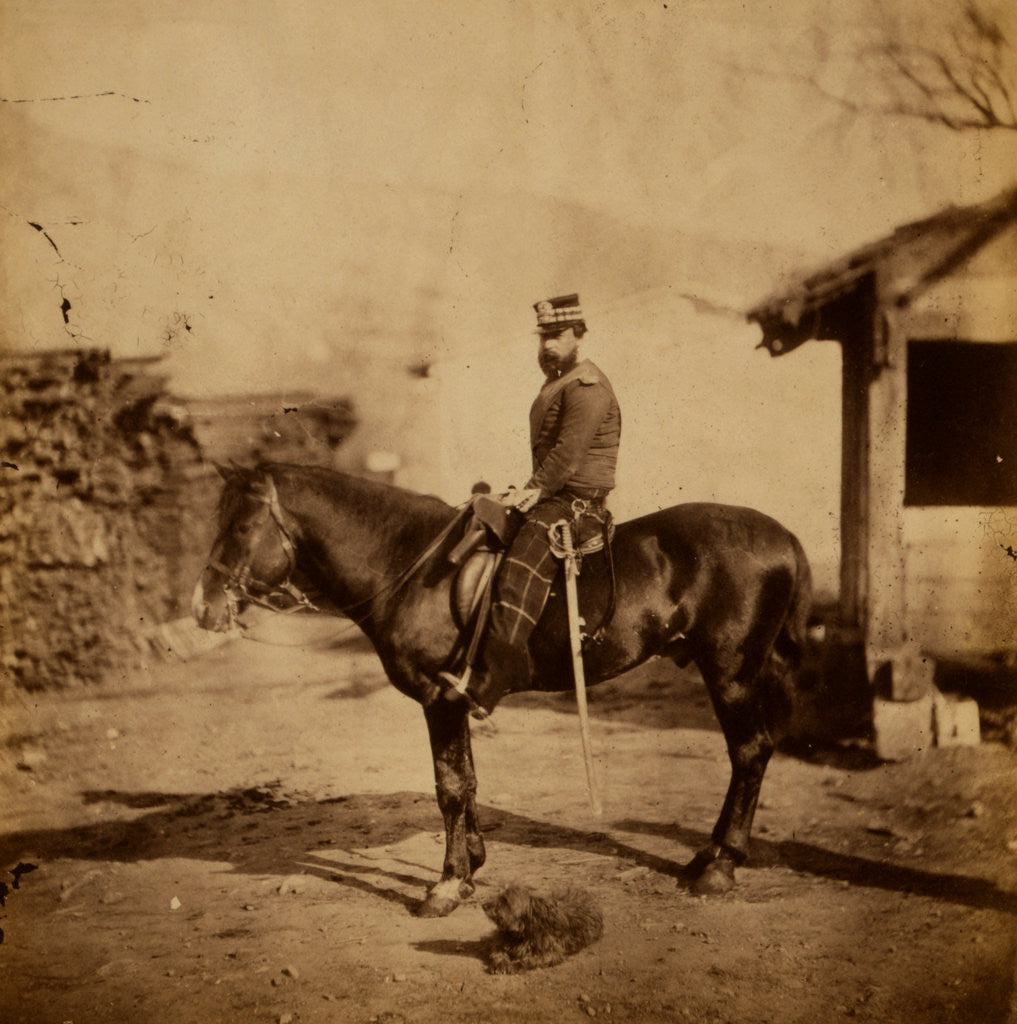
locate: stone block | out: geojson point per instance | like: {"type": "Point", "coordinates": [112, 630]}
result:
{"type": "Point", "coordinates": [67, 534]}
{"type": "Point", "coordinates": [900, 673]}
{"type": "Point", "coordinates": [956, 721]}
{"type": "Point", "coordinates": [903, 728]}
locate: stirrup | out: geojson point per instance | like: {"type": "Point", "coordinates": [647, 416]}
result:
{"type": "Point", "coordinates": [457, 691]}
{"type": "Point", "coordinates": [456, 684]}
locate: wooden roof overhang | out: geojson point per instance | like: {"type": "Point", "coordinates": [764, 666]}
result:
{"type": "Point", "coordinates": [831, 302]}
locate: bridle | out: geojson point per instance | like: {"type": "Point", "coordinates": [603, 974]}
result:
{"type": "Point", "coordinates": [239, 580]}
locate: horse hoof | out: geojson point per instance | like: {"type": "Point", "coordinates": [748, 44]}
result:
{"type": "Point", "coordinates": [715, 879]}
{"type": "Point", "coordinates": [702, 860]}
{"type": "Point", "coordinates": [445, 896]}
{"type": "Point", "coordinates": [436, 906]}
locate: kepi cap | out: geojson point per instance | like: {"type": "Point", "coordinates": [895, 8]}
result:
{"type": "Point", "coordinates": [558, 314]}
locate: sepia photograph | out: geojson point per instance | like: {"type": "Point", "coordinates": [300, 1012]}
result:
{"type": "Point", "coordinates": [508, 511]}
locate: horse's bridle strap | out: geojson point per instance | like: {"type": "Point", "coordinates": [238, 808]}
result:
{"type": "Point", "coordinates": [240, 578]}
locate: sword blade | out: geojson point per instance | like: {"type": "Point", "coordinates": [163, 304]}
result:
{"type": "Point", "coordinates": [579, 673]}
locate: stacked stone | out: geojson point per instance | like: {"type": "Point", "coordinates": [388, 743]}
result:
{"type": "Point", "coordinates": [95, 540]}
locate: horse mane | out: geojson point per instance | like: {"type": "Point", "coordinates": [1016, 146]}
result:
{"type": "Point", "coordinates": [361, 487]}
{"type": "Point", "coordinates": [418, 513]}
{"type": "Point", "coordinates": [234, 488]}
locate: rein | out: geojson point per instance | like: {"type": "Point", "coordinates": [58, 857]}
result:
{"type": "Point", "coordinates": [407, 574]}
{"type": "Point", "coordinates": [239, 580]}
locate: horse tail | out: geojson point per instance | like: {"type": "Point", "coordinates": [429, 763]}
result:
{"type": "Point", "coordinates": [780, 675]}
{"type": "Point", "coordinates": [792, 639]}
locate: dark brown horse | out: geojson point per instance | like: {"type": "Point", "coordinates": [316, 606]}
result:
{"type": "Point", "coordinates": [727, 588]}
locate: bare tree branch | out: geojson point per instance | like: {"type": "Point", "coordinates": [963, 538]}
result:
{"type": "Point", "coordinates": [959, 70]}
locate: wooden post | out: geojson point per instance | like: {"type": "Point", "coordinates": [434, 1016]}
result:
{"type": "Point", "coordinates": [854, 476]}
{"type": "Point", "coordinates": [886, 613]}
{"type": "Point", "coordinates": [873, 558]}
{"type": "Point", "coordinates": [896, 665]}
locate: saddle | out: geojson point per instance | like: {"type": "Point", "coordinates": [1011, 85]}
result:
{"type": "Point", "coordinates": [488, 533]}
{"type": "Point", "coordinates": [490, 529]}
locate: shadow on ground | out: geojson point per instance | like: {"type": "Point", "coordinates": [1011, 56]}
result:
{"type": "Point", "coordinates": [262, 831]}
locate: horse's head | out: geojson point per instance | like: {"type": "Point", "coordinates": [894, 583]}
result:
{"type": "Point", "coordinates": [253, 554]}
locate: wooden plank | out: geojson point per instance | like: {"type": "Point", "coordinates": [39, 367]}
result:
{"type": "Point", "coordinates": [886, 617]}
{"type": "Point", "coordinates": [854, 480]}
{"type": "Point", "coordinates": [894, 660]}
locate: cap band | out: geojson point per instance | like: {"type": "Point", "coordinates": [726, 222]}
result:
{"type": "Point", "coordinates": [558, 313]}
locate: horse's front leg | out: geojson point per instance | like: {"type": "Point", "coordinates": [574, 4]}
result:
{"type": "Point", "coordinates": [456, 782]}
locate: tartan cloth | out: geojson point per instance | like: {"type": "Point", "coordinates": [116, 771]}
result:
{"type": "Point", "coordinates": [526, 574]}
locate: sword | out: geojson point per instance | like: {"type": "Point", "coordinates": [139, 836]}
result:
{"type": "Point", "coordinates": [576, 644]}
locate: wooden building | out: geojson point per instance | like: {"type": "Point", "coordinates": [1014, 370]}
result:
{"type": "Point", "coordinates": [926, 319]}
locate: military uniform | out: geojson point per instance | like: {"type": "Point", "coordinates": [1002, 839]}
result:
{"type": "Point", "coordinates": [575, 428]}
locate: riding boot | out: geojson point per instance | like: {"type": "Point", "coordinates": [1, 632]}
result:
{"type": "Point", "coordinates": [507, 670]}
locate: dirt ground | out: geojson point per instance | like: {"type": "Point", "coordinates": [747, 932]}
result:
{"type": "Point", "coordinates": [244, 836]}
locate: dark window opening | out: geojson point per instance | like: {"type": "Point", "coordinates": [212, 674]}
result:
{"type": "Point", "coordinates": [961, 423]}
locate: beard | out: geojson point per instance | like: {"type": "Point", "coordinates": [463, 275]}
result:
{"type": "Point", "coordinates": [554, 366]}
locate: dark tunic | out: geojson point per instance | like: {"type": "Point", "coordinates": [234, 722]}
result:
{"type": "Point", "coordinates": [575, 429]}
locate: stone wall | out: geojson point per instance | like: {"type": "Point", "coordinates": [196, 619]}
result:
{"type": "Point", "coordinates": [104, 516]}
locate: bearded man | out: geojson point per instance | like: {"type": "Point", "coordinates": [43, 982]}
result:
{"type": "Point", "coordinates": [575, 428]}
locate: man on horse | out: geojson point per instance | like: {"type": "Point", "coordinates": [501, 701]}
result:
{"type": "Point", "coordinates": [575, 427]}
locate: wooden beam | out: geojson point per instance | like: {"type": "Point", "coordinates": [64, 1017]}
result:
{"type": "Point", "coordinates": [873, 434]}
{"type": "Point", "coordinates": [886, 618]}
{"type": "Point", "coordinates": [897, 668]}
{"type": "Point", "coordinates": [852, 320]}
{"type": "Point", "coordinates": [853, 482]}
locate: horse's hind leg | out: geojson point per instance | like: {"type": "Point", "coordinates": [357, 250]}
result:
{"type": "Point", "coordinates": [456, 784]}
{"type": "Point", "coordinates": [741, 711]}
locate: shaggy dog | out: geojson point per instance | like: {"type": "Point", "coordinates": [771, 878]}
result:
{"type": "Point", "coordinates": [540, 931]}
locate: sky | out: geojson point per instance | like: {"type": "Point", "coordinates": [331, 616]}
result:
{"type": "Point", "coordinates": [286, 195]}
{"type": "Point", "coordinates": [249, 186]}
